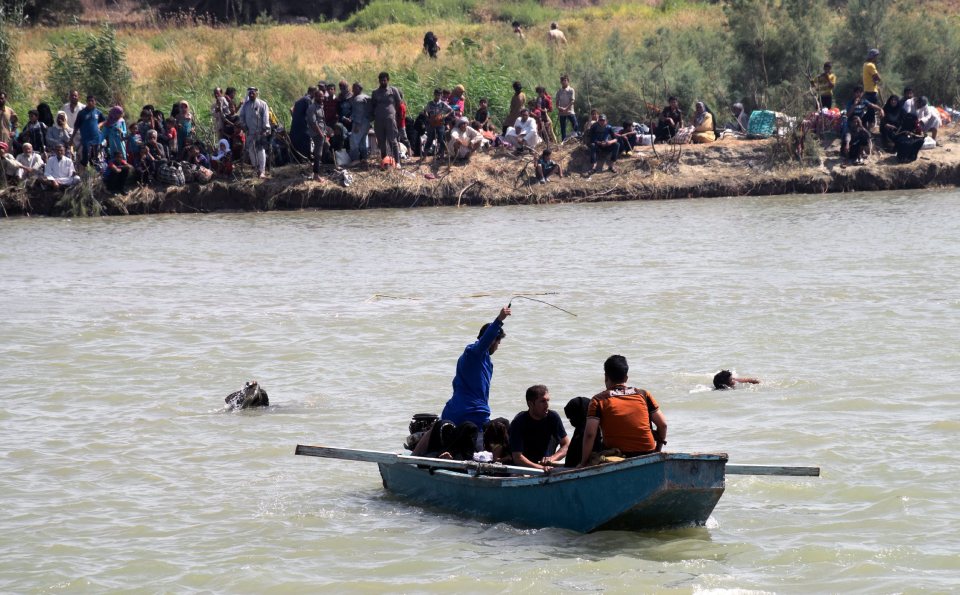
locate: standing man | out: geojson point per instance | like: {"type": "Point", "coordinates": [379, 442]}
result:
{"type": "Point", "coordinates": [299, 128]}
{"type": "Point", "coordinates": [6, 115]}
{"type": "Point", "coordinates": [470, 401]}
{"type": "Point", "coordinates": [72, 107]}
{"type": "Point", "coordinates": [871, 86]}
{"type": "Point", "coordinates": [624, 414]}
{"type": "Point", "coordinates": [385, 101]}
{"type": "Point", "coordinates": [255, 120]}
{"type": "Point", "coordinates": [437, 111]}
{"type": "Point", "coordinates": [566, 97]}
{"type": "Point", "coordinates": [825, 82]}
{"type": "Point", "coordinates": [555, 35]}
{"type": "Point", "coordinates": [536, 434]}
{"type": "Point", "coordinates": [317, 129]}
{"type": "Point", "coordinates": [219, 110]}
{"type": "Point", "coordinates": [359, 124]}
{"type": "Point", "coordinates": [89, 120]}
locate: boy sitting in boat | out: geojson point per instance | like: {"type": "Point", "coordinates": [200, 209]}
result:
{"type": "Point", "coordinates": [624, 414]}
{"type": "Point", "coordinates": [536, 434]}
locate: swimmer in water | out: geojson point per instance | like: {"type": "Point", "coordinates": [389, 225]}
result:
{"type": "Point", "coordinates": [725, 379]}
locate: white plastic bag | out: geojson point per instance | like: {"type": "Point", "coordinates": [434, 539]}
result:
{"type": "Point", "coordinates": [342, 158]}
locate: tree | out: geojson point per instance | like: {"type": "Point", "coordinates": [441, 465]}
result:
{"type": "Point", "coordinates": [92, 63]}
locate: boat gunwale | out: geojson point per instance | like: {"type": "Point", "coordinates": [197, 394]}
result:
{"type": "Point", "coordinates": [566, 474]}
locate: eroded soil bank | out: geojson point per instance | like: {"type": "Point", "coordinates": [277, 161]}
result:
{"type": "Point", "coordinates": [725, 168]}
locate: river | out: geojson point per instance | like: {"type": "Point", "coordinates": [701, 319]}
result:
{"type": "Point", "coordinates": [119, 469]}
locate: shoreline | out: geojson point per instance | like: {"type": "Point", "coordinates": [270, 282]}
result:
{"type": "Point", "coordinates": [720, 169]}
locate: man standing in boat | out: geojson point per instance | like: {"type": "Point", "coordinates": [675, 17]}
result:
{"type": "Point", "coordinates": [624, 414]}
{"type": "Point", "coordinates": [470, 401]}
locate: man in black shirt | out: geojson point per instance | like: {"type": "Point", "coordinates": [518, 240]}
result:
{"type": "Point", "coordinates": [536, 433]}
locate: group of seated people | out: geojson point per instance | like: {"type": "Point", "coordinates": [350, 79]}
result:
{"type": "Point", "coordinates": [903, 124]}
{"type": "Point", "coordinates": [49, 150]}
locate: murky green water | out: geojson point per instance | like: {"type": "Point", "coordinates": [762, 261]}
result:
{"type": "Point", "coordinates": [119, 469]}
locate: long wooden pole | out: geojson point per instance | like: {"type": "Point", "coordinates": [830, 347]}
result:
{"type": "Point", "coordinates": [389, 458]}
{"type": "Point", "coordinates": [772, 470]}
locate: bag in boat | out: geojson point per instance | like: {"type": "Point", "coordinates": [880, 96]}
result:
{"type": "Point", "coordinates": [762, 123]}
{"type": "Point", "coordinates": [419, 424]}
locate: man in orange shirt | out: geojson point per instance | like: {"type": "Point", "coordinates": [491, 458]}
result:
{"type": "Point", "coordinates": [624, 414]}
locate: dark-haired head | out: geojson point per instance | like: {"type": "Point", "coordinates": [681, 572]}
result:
{"type": "Point", "coordinates": [535, 392]}
{"type": "Point", "coordinates": [517, 87]}
{"type": "Point", "coordinates": [615, 369]}
{"type": "Point", "coordinates": [723, 380]}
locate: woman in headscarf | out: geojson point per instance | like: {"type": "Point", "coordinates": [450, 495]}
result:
{"type": "Point", "coordinates": [184, 125]}
{"type": "Point", "coordinates": [115, 132]}
{"type": "Point", "coordinates": [60, 133]}
{"type": "Point", "coordinates": [891, 123]}
{"type": "Point", "coordinates": [703, 125]}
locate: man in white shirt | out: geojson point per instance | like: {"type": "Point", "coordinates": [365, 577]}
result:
{"type": "Point", "coordinates": [30, 160]}
{"type": "Point", "coordinates": [908, 102]}
{"type": "Point", "coordinates": [59, 172]}
{"type": "Point", "coordinates": [565, 98]}
{"type": "Point", "coordinates": [255, 120]}
{"type": "Point", "coordinates": [72, 108]}
{"type": "Point", "coordinates": [12, 169]}
{"type": "Point", "coordinates": [523, 134]}
{"type": "Point", "coordinates": [929, 118]}
{"type": "Point", "coordinates": [464, 140]}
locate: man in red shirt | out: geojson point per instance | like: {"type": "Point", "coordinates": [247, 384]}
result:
{"type": "Point", "coordinates": [624, 414]}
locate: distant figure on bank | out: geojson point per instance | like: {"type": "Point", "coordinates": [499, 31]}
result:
{"type": "Point", "coordinates": [566, 98]}
{"type": "Point", "coordinates": [251, 395]}
{"type": "Point", "coordinates": [929, 118]}
{"type": "Point", "coordinates": [671, 120]}
{"type": "Point", "coordinates": [725, 379]}
{"type": "Point", "coordinates": [825, 82]}
{"type": "Point", "coordinates": [603, 144]}
{"type": "Point", "coordinates": [555, 35]}
{"type": "Point", "coordinates": [385, 104]}
{"type": "Point", "coordinates": [518, 30]}
{"type": "Point", "coordinates": [255, 121]}
{"type": "Point", "coordinates": [431, 45]}
{"type": "Point", "coordinates": [740, 121]}
{"type": "Point", "coordinates": [59, 171]}
{"type": "Point", "coordinates": [703, 124]}
{"type": "Point", "coordinates": [624, 414]}
{"type": "Point", "coordinates": [546, 167]}
{"type": "Point", "coordinates": [517, 103]}
{"type": "Point", "coordinates": [523, 135]}
{"type": "Point", "coordinates": [537, 436]}
{"type": "Point", "coordinates": [871, 88]}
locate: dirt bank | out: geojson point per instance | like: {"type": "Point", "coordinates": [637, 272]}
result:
{"type": "Point", "coordinates": [725, 168]}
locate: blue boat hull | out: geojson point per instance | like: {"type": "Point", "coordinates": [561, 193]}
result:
{"type": "Point", "coordinates": [657, 490]}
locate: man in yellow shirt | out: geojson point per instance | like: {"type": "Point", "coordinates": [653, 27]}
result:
{"type": "Point", "coordinates": [825, 83]}
{"type": "Point", "coordinates": [871, 86]}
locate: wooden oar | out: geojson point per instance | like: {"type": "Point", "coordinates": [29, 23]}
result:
{"type": "Point", "coordinates": [772, 470]}
{"type": "Point", "coordinates": [389, 458]}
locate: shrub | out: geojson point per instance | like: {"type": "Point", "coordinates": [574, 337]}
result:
{"type": "Point", "coordinates": [926, 54]}
{"type": "Point", "coordinates": [383, 12]}
{"type": "Point", "coordinates": [93, 63]}
{"type": "Point", "coordinates": [525, 12]}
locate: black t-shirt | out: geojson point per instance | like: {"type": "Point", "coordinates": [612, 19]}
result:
{"type": "Point", "coordinates": [481, 115]}
{"type": "Point", "coordinates": [536, 438]}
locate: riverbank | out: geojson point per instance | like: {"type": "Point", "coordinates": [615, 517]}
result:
{"type": "Point", "coordinates": [725, 168]}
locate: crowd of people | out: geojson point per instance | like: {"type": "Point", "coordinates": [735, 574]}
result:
{"type": "Point", "coordinates": [619, 421]}
{"type": "Point", "coordinates": [337, 124]}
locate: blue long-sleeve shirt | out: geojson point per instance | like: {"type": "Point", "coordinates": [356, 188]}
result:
{"type": "Point", "coordinates": [471, 385]}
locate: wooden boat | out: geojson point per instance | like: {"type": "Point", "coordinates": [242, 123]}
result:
{"type": "Point", "coordinates": [651, 491]}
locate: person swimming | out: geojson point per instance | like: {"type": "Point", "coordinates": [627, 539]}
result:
{"type": "Point", "coordinates": [725, 379]}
